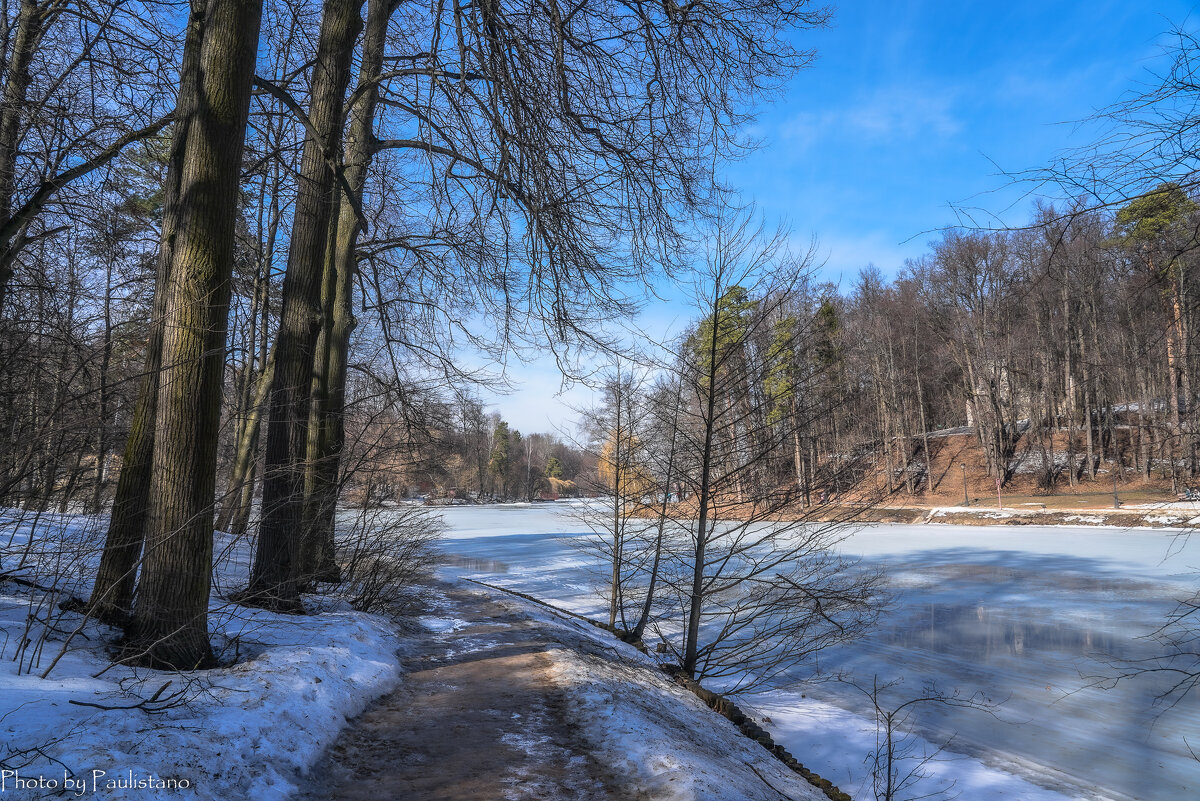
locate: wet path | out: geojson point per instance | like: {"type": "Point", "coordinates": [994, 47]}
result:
{"type": "Point", "coordinates": [476, 718]}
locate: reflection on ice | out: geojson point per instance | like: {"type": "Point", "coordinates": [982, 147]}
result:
{"type": "Point", "coordinates": [1044, 608]}
{"type": "Point", "coordinates": [473, 563]}
{"type": "Point", "coordinates": [986, 634]}
{"type": "Point", "coordinates": [1041, 630]}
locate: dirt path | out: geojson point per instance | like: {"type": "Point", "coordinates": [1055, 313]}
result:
{"type": "Point", "coordinates": [477, 718]}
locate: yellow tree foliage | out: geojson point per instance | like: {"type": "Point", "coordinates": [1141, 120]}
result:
{"type": "Point", "coordinates": [621, 463]}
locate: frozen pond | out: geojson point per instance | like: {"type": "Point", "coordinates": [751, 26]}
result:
{"type": "Point", "coordinates": [1026, 616]}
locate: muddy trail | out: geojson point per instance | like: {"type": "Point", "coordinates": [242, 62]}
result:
{"type": "Point", "coordinates": [477, 717]}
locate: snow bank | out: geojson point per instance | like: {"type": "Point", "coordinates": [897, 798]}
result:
{"type": "Point", "coordinates": [825, 734]}
{"type": "Point", "coordinates": [244, 731]}
{"type": "Point", "coordinates": [662, 741]}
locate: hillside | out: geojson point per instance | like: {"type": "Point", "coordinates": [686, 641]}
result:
{"type": "Point", "coordinates": [958, 476]}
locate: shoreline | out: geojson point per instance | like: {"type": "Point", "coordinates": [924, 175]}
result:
{"type": "Point", "coordinates": [1180, 515]}
{"type": "Point", "coordinates": [1130, 517]}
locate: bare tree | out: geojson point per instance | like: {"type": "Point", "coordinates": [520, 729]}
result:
{"type": "Point", "coordinates": [624, 484]}
{"type": "Point", "coordinates": [761, 588]}
{"type": "Point", "coordinates": [169, 625]}
{"type": "Point", "coordinates": [900, 761]}
{"type": "Point", "coordinates": [70, 76]}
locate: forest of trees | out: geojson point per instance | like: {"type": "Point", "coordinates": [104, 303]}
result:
{"type": "Point", "coordinates": [245, 246]}
{"type": "Point", "coordinates": [1066, 346]}
{"type": "Point", "coordinates": [251, 252]}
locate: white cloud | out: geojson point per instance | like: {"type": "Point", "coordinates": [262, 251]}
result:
{"type": "Point", "coordinates": [886, 115]}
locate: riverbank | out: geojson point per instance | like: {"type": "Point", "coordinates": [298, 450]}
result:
{"type": "Point", "coordinates": [1024, 613]}
{"type": "Point", "coordinates": [504, 698]}
{"type": "Point", "coordinates": [1019, 513]}
{"type": "Point", "coordinates": [473, 694]}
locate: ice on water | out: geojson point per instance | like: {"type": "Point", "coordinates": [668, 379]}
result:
{"type": "Point", "coordinates": [1030, 617]}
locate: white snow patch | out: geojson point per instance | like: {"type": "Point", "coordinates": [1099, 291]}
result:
{"type": "Point", "coordinates": [990, 514]}
{"type": "Point", "coordinates": [1089, 520]}
{"type": "Point", "coordinates": [442, 625]}
{"type": "Point", "coordinates": [657, 736]}
{"type": "Point", "coordinates": [1166, 519]}
{"type": "Point", "coordinates": [824, 734]}
{"type": "Point", "coordinates": [248, 730]}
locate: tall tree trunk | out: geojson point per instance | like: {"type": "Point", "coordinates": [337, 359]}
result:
{"type": "Point", "coordinates": [798, 463]}
{"type": "Point", "coordinates": [1144, 433]}
{"type": "Point", "coordinates": [1050, 428]}
{"type": "Point", "coordinates": [924, 432]}
{"type": "Point", "coordinates": [691, 649]}
{"type": "Point", "coordinates": [32, 20]}
{"type": "Point", "coordinates": [358, 152]}
{"type": "Point", "coordinates": [275, 578]}
{"type": "Point", "coordinates": [1072, 406]}
{"type": "Point", "coordinates": [618, 467]}
{"type": "Point", "coordinates": [170, 623]}
{"type": "Point", "coordinates": [1171, 309]}
{"type": "Point", "coordinates": [885, 434]}
{"type": "Point", "coordinates": [112, 593]}
{"type": "Point", "coordinates": [1091, 433]}
{"type": "Point", "coordinates": [318, 561]}
{"type": "Point", "coordinates": [236, 497]}
{"type": "Point", "coordinates": [1179, 306]}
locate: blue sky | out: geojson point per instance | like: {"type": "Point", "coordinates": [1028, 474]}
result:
{"type": "Point", "coordinates": [910, 110]}
{"type": "Point", "coordinates": [914, 106]}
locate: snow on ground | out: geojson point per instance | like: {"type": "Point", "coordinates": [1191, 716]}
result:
{"type": "Point", "coordinates": [825, 733]}
{"type": "Point", "coordinates": [1013, 610]}
{"type": "Point", "coordinates": [243, 731]}
{"type": "Point", "coordinates": [252, 729]}
{"type": "Point", "coordinates": [660, 738]}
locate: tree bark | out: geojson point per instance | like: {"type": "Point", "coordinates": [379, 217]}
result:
{"type": "Point", "coordinates": [276, 576]}
{"type": "Point", "coordinates": [358, 152]}
{"type": "Point", "coordinates": [170, 623]}
{"type": "Point", "coordinates": [112, 593]}
{"type": "Point", "coordinates": [318, 558]}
